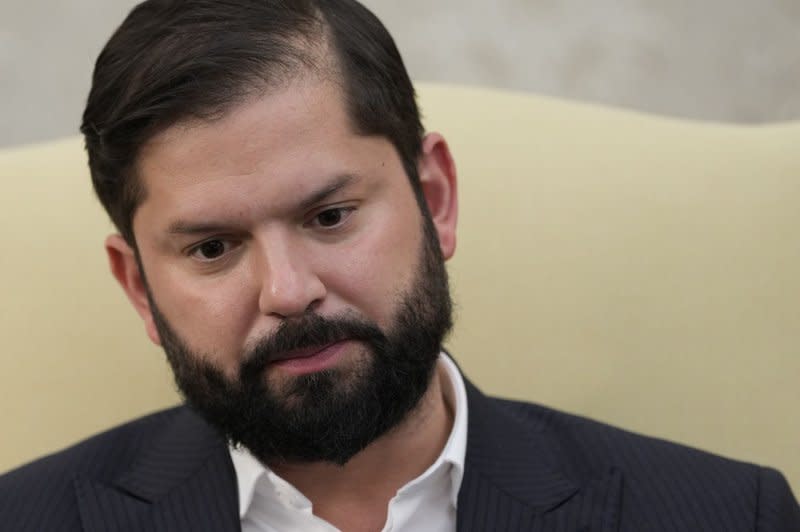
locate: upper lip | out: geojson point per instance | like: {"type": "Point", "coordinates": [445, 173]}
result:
{"type": "Point", "coordinates": [304, 352]}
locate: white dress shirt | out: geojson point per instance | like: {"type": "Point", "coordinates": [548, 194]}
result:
{"type": "Point", "coordinates": [268, 503]}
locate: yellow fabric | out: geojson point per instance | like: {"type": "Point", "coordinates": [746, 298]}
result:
{"type": "Point", "coordinates": [640, 270]}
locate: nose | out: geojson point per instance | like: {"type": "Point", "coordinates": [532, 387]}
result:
{"type": "Point", "coordinates": [289, 284]}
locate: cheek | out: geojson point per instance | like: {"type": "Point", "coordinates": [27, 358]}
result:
{"type": "Point", "coordinates": [212, 315]}
{"type": "Point", "coordinates": [373, 272]}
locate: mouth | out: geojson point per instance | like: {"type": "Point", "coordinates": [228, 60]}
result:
{"type": "Point", "coordinates": [311, 359]}
{"type": "Point", "coordinates": [305, 352]}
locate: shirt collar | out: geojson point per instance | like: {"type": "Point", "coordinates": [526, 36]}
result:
{"type": "Point", "coordinates": [249, 469]}
{"type": "Point", "coordinates": [455, 449]}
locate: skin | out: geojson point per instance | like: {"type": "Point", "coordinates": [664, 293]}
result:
{"type": "Point", "coordinates": [244, 178]}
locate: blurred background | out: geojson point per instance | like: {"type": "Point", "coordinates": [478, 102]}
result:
{"type": "Point", "coordinates": [718, 60]}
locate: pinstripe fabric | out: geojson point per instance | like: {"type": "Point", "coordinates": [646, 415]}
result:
{"type": "Point", "coordinates": [169, 471]}
{"type": "Point", "coordinates": [528, 468]}
{"type": "Point", "coordinates": [532, 468]}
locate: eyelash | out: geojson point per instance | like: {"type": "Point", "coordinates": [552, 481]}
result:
{"type": "Point", "coordinates": [344, 211]}
{"type": "Point", "coordinates": [228, 243]}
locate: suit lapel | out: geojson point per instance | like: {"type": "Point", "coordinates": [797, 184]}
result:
{"type": "Point", "coordinates": [515, 477]}
{"type": "Point", "coordinates": [184, 480]}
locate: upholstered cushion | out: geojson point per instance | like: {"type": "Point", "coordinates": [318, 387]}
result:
{"type": "Point", "coordinates": [636, 269]}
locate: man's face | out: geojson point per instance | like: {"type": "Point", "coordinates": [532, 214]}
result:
{"type": "Point", "coordinates": [276, 233]}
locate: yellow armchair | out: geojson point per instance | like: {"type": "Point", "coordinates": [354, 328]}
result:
{"type": "Point", "coordinates": [642, 271]}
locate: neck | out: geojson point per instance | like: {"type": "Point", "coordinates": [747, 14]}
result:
{"type": "Point", "coordinates": [373, 476]}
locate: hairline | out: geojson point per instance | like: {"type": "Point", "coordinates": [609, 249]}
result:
{"type": "Point", "coordinates": [321, 66]}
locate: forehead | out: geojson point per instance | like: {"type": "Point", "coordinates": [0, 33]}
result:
{"type": "Point", "coordinates": [273, 145]}
{"type": "Point", "coordinates": [280, 120]}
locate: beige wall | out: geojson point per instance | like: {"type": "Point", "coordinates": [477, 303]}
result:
{"type": "Point", "coordinates": [731, 60]}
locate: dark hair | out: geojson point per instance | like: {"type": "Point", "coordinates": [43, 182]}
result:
{"type": "Point", "coordinates": [173, 60]}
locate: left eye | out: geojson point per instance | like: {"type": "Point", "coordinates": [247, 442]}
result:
{"type": "Point", "coordinates": [333, 217]}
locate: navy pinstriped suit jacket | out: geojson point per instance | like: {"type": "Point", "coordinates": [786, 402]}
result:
{"type": "Point", "coordinates": [528, 468]}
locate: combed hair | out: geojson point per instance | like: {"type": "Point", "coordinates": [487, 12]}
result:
{"type": "Point", "coordinates": [176, 60]}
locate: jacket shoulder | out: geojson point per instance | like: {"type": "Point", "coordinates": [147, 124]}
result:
{"type": "Point", "coordinates": [587, 441]}
{"type": "Point", "coordinates": [34, 493]}
{"type": "Point", "coordinates": [663, 480]}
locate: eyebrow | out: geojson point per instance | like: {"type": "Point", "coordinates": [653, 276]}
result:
{"type": "Point", "coordinates": [327, 191]}
{"type": "Point", "coordinates": [182, 227]}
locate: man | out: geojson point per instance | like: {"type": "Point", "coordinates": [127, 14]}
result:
{"type": "Point", "coordinates": [283, 224]}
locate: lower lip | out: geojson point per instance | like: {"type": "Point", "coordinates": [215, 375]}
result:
{"type": "Point", "coordinates": [321, 360]}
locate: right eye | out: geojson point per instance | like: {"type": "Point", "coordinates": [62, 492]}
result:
{"type": "Point", "coordinates": [210, 250]}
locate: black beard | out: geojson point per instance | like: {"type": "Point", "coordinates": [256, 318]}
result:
{"type": "Point", "coordinates": [329, 415]}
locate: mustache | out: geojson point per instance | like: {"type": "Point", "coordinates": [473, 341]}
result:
{"type": "Point", "coordinates": [308, 331]}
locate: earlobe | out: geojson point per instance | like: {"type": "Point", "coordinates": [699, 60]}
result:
{"type": "Point", "coordinates": [125, 268]}
{"type": "Point", "coordinates": [437, 173]}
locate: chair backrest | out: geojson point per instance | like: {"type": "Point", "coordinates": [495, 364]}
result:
{"type": "Point", "coordinates": [640, 270]}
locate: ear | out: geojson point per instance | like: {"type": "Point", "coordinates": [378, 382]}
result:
{"type": "Point", "coordinates": [437, 173]}
{"type": "Point", "coordinates": [125, 268]}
